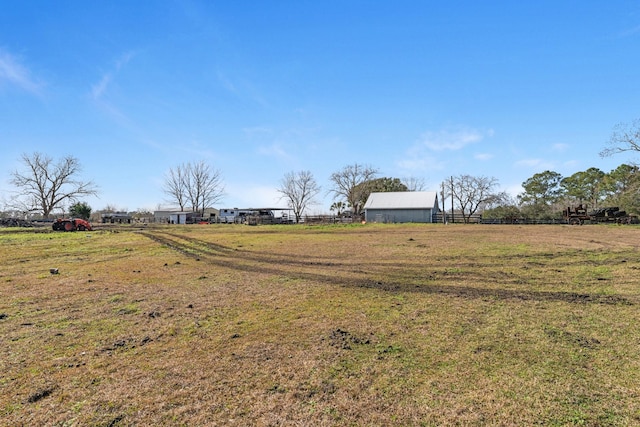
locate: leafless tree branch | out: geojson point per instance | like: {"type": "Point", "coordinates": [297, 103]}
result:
{"type": "Point", "coordinates": [299, 190]}
{"type": "Point", "coordinates": [347, 184]}
{"type": "Point", "coordinates": [45, 185]}
{"type": "Point", "coordinates": [197, 184]}
{"type": "Point", "coordinates": [625, 137]}
{"type": "Point", "coordinates": [414, 184]}
{"type": "Point", "coordinates": [472, 192]}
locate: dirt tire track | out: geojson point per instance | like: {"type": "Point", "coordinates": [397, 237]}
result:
{"type": "Point", "coordinates": [359, 276]}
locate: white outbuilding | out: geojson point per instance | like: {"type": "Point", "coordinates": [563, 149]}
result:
{"type": "Point", "coordinates": [401, 206]}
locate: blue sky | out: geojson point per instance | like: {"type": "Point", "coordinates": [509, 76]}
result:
{"type": "Point", "coordinates": [258, 89]}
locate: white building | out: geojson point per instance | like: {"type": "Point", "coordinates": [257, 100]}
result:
{"type": "Point", "coordinates": [401, 206]}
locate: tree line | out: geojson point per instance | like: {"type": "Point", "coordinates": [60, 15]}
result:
{"type": "Point", "coordinates": [546, 194]}
{"type": "Point", "coordinates": [44, 185]}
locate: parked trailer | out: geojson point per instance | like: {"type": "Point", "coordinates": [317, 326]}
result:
{"type": "Point", "coordinates": [234, 216]}
{"type": "Point", "coordinates": [248, 216]}
{"type": "Point", "coordinates": [116, 217]}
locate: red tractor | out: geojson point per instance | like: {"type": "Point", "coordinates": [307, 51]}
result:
{"type": "Point", "coordinates": [74, 224]}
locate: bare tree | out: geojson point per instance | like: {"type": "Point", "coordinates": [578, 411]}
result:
{"type": "Point", "coordinates": [205, 188]}
{"type": "Point", "coordinates": [111, 208]}
{"type": "Point", "coordinates": [45, 185]}
{"type": "Point", "coordinates": [197, 184]}
{"type": "Point", "coordinates": [299, 190]}
{"type": "Point", "coordinates": [472, 193]}
{"type": "Point", "coordinates": [414, 184]}
{"type": "Point", "coordinates": [347, 185]}
{"type": "Point", "coordinates": [625, 137]}
{"type": "Point", "coordinates": [175, 185]}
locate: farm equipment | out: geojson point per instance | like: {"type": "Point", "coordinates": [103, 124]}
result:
{"type": "Point", "coordinates": [73, 224]}
{"type": "Point", "coordinates": [577, 216]}
{"type": "Point", "coordinates": [613, 215]}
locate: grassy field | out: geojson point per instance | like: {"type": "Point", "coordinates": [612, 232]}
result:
{"type": "Point", "coordinates": [327, 325]}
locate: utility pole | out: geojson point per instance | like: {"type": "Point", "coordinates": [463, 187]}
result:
{"type": "Point", "coordinates": [453, 220]}
{"type": "Point", "coordinates": [444, 212]}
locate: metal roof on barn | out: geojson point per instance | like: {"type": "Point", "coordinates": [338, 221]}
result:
{"type": "Point", "coordinates": [402, 200]}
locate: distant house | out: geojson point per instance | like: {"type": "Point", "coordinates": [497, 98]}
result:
{"type": "Point", "coordinates": [185, 217]}
{"type": "Point", "coordinates": [401, 206]}
{"type": "Point", "coordinates": [178, 217]}
{"type": "Point", "coordinates": [210, 215]}
{"type": "Point", "coordinates": [116, 217]}
{"type": "Point", "coordinates": [162, 216]}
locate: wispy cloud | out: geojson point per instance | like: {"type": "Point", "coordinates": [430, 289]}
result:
{"type": "Point", "coordinates": [538, 164]}
{"type": "Point", "coordinates": [226, 82]}
{"type": "Point", "coordinates": [99, 89]}
{"type": "Point", "coordinates": [573, 164]}
{"type": "Point", "coordinates": [258, 131]}
{"type": "Point", "coordinates": [420, 156]}
{"type": "Point", "coordinates": [286, 144]}
{"type": "Point", "coordinates": [421, 163]}
{"type": "Point", "coordinates": [16, 74]}
{"type": "Point", "coordinates": [452, 139]}
{"type": "Point", "coordinates": [483, 156]}
{"type": "Point", "coordinates": [124, 59]}
{"type": "Point", "coordinates": [275, 150]}
{"type": "Point", "coordinates": [560, 147]}
{"type": "Point", "coordinates": [262, 135]}
{"type": "Point", "coordinates": [99, 94]}
{"type": "Point", "coordinates": [241, 88]}
{"type": "Point", "coordinates": [629, 32]}
{"type": "Point", "coordinates": [198, 149]}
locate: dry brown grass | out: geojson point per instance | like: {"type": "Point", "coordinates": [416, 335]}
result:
{"type": "Point", "coordinates": [346, 325]}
